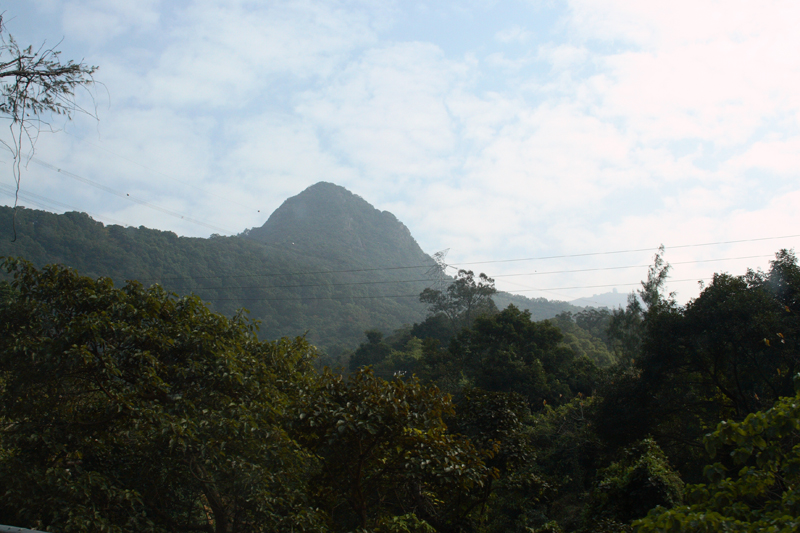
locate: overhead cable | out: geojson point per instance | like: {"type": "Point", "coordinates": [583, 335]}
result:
{"type": "Point", "coordinates": [417, 295]}
{"type": "Point", "coordinates": [421, 280]}
{"type": "Point", "coordinates": [453, 265]}
{"type": "Point", "coordinates": [214, 194]}
{"type": "Point", "coordinates": [43, 201]}
{"type": "Point", "coordinates": [127, 196]}
{"type": "Point", "coordinates": [541, 258]}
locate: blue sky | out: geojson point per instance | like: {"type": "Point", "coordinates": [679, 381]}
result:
{"type": "Point", "coordinates": [498, 130]}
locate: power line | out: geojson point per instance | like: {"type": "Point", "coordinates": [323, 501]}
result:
{"type": "Point", "coordinates": [215, 195]}
{"type": "Point", "coordinates": [112, 191]}
{"type": "Point", "coordinates": [44, 202]}
{"type": "Point", "coordinates": [541, 258]}
{"type": "Point", "coordinates": [417, 295]}
{"type": "Point", "coordinates": [299, 273]}
{"type": "Point", "coordinates": [381, 282]}
{"type": "Point", "coordinates": [630, 266]}
{"type": "Point", "coordinates": [421, 280]}
{"type": "Point", "coordinates": [126, 196]}
{"type": "Point", "coordinates": [427, 266]}
{"type": "Point", "coordinates": [613, 285]}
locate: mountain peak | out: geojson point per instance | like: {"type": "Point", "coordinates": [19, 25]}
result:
{"type": "Point", "coordinates": [328, 221]}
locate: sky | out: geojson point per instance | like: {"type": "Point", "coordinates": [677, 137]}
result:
{"type": "Point", "coordinates": [522, 129]}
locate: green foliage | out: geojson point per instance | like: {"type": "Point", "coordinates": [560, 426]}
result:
{"type": "Point", "coordinates": [371, 352]}
{"type": "Point", "coordinates": [494, 421]}
{"type": "Point", "coordinates": [641, 480]}
{"type": "Point", "coordinates": [763, 495]}
{"type": "Point", "coordinates": [626, 328]}
{"type": "Point", "coordinates": [568, 450]}
{"type": "Point", "coordinates": [496, 424]}
{"type": "Point", "coordinates": [407, 523]}
{"type": "Point", "coordinates": [508, 352]}
{"type": "Point", "coordinates": [730, 352]}
{"type": "Point", "coordinates": [404, 361]}
{"type": "Point", "coordinates": [331, 310]}
{"type": "Point", "coordinates": [568, 454]}
{"type": "Point", "coordinates": [595, 322]}
{"type": "Point", "coordinates": [434, 327]}
{"type": "Point", "coordinates": [129, 409]}
{"type": "Point", "coordinates": [540, 308]}
{"type": "Point", "coordinates": [463, 300]}
{"type": "Point", "coordinates": [386, 452]}
{"type": "Point", "coordinates": [581, 341]}
{"type": "Point", "coordinates": [625, 331]}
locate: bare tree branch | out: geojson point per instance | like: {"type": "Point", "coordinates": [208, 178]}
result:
{"type": "Point", "coordinates": [33, 86]}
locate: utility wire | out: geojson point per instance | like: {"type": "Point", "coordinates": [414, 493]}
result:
{"type": "Point", "coordinates": [613, 285]}
{"type": "Point", "coordinates": [630, 266]}
{"type": "Point", "coordinates": [126, 196]}
{"type": "Point", "coordinates": [299, 273]}
{"type": "Point", "coordinates": [540, 258]}
{"type": "Point", "coordinates": [417, 295]}
{"type": "Point", "coordinates": [306, 285]}
{"type": "Point", "coordinates": [215, 195]}
{"type": "Point", "coordinates": [43, 201]}
{"type": "Point", "coordinates": [420, 280]}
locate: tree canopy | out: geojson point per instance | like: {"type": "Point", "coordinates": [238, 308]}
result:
{"type": "Point", "coordinates": [131, 409]}
{"type": "Point", "coordinates": [762, 495]}
{"type": "Point", "coordinates": [463, 300]}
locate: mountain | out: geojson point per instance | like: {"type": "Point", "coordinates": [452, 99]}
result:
{"type": "Point", "coordinates": [326, 264]}
{"type": "Point", "coordinates": [540, 308]}
{"type": "Point", "coordinates": [330, 223]}
{"type": "Point", "coordinates": [612, 300]}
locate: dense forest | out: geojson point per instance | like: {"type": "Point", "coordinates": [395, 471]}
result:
{"type": "Point", "coordinates": [130, 408]}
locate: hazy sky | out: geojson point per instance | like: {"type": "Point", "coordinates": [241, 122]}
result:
{"type": "Point", "coordinates": [500, 130]}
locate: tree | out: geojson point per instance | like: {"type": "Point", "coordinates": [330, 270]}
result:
{"type": "Point", "coordinates": [385, 453]}
{"type": "Point", "coordinates": [729, 352]}
{"type": "Point", "coordinates": [568, 454]}
{"type": "Point", "coordinates": [371, 352]}
{"type": "Point", "coordinates": [626, 326]}
{"type": "Point", "coordinates": [34, 83]}
{"type": "Point", "coordinates": [130, 409]}
{"type": "Point", "coordinates": [463, 300]}
{"type": "Point", "coordinates": [639, 481]}
{"type": "Point", "coordinates": [495, 423]}
{"type": "Point", "coordinates": [764, 495]}
{"type": "Point", "coordinates": [582, 340]}
{"type": "Point", "coordinates": [508, 352]}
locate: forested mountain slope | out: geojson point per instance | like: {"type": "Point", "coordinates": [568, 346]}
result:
{"type": "Point", "coordinates": [540, 308]}
{"type": "Point", "coordinates": [326, 263]}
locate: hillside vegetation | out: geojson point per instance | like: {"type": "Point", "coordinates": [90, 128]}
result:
{"type": "Point", "coordinates": [132, 409]}
{"type": "Point", "coordinates": [326, 264]}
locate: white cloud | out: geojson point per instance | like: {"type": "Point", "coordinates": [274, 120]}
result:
{"type": "Point", "coordinates": [625, 125]}
{"type": "Point", "coordinates": [777, 156]}
{"type": "Point", "coordinates": [226, 55]}
{"type": "Point", "coordinates": [705, 70]}
{"type": "Point", "coordinates": [513, 34]}
{"type": "Point", "coordinates": [387, 114]}
{"type": "Point", "coordinates": [563, 56]}
{"type": "Point", "coordinates": [98, 21]}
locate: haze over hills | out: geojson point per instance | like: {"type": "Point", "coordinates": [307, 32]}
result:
{"type": "Point", "coordinates": [326, 264]}
{"type": "Point", "coordinates": [612, 300]}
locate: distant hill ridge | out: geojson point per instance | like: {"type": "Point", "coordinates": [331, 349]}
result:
{"type": "Point", "coordinates": [324, 230]}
